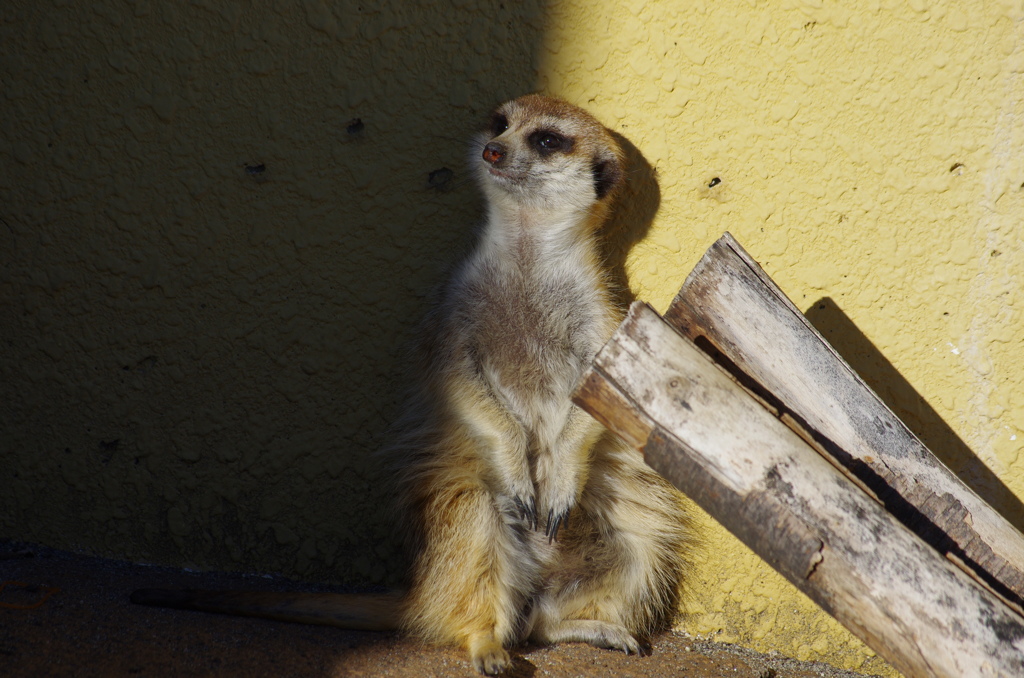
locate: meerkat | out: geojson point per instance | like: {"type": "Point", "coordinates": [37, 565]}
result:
{"type": "Point", "coordinates": [525, 518]}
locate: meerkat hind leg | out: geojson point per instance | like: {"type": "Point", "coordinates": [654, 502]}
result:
{"type": "Point", "coordinates": [471, 580]}
{"type": "Point", "coordinates": [621, 561]}
{"type": "Point", "coordinates": [584, 604]}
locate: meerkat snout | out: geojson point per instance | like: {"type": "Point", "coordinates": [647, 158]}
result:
{"type": "Point", "coordinates": [494, 153]}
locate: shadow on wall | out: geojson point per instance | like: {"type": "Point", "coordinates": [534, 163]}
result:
{"type": "Point", "coordinates": [221, 222]}
{"type": "Point", "coordinates": [900, 397]}
{"type": "Point", "coordinates": [632, 215]}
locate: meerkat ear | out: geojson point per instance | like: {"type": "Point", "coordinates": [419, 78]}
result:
{"type": "Point", "coordinates": [607, 175]}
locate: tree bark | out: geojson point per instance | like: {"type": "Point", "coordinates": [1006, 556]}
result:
{"type": "Point", "coordinates": [730, 307]}
{"type": "Point", "coordinates": [704, 433]}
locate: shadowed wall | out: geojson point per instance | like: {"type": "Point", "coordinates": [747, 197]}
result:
{"type": "Point", "coordinates": [218, 224]}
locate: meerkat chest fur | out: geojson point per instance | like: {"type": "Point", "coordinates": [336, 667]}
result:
{"type": "Point", "coordinates": [534, 305]}
{"type": "Point", "coordinates": [537, 314]}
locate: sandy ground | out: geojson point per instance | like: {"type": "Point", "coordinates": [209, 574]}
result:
{"type": "Point", "coordinates": [87, 627]}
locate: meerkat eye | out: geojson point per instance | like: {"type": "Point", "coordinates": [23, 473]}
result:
{"type": "Point", "coordinates": [499, 123]}
{"type": "Point", "coordinates": [549, 142]}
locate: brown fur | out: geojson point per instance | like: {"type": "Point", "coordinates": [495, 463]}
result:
{"type": "Point", "coordinates": [493, 458]}
{"type": "Point", "coordinates": [492, 429]}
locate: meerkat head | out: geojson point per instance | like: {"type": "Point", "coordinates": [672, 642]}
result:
{"type": "Point", "coordinates": [546, 153]}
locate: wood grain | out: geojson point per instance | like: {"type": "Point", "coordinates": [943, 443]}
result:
{"type": "Point", "coordinates": [732, 309]}
{"type": "Point", "coordinates": [794, 509]}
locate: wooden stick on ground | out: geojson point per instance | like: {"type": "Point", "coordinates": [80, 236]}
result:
{"type": "Point", "coordinates": [730, 305]}
{"type": "Point", "coordinates": [704, 433]}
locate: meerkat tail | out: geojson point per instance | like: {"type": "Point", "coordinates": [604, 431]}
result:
{"type": "Point", "coordinates": [363, 612]}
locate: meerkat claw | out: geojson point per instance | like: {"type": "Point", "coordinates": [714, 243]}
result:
{"type": "Point", "coordinates": [527, 511]}
{"type": "Point", "coordinates": [554, 523]}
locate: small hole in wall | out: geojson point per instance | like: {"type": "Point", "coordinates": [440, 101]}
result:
{"type": "Point", "coordinates": [257, 171]}
{"type": "Point", "coordinates": [354, 126]}
{"type": "Point", "coordinates": [440, 179]}
{"type": "Point", "coordinates": [995, 253]}
{"type": "Point", "coordinates": [714, 182]}
{"type": "Point", "coordinates": [957, 168]}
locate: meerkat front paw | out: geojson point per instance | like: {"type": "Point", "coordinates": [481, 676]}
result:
{"type": "Point", "coordinates": [559, 505]}
{"type": "Point", "coordinates": [520, 490]}
{"type": "Point", "coordinates": [556, 521]}
{"type": "Point", "coordinates": [558, 488]}
{"type": "Point", "coordinates": [527, 510]}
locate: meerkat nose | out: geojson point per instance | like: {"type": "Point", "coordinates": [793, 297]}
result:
{"type": "Point", "coordinates": [494, 152]}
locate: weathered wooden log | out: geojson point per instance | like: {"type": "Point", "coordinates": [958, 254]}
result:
{"type": "Point", "coordinates": [730, 306]}
{"type": "Point", "coordinates": [758, 478]}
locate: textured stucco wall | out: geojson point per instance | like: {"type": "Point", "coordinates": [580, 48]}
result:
{"type": "Point", "coordinates": [206, 278]}
{"type": "Point", "coordinates": [208, 271]}
{"type": "Point", "coordinates": [871, 157]}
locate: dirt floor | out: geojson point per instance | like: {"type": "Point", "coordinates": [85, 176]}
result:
{"type": "Point", "coordinates": [85, 626]}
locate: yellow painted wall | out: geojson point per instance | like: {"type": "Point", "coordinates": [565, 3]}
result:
{"type": "Point", "coordinates": [207, 270]}
{"type": "Point", "coordinates": [871, 157]}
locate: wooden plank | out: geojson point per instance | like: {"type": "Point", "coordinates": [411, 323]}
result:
{"type": "Point", "coordinates": [730, 306]}
{"type": "Point", "coordinates": [794, 509]}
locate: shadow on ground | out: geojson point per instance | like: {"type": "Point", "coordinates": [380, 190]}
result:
{"type": "Point", "coordinates": [87, 627]}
